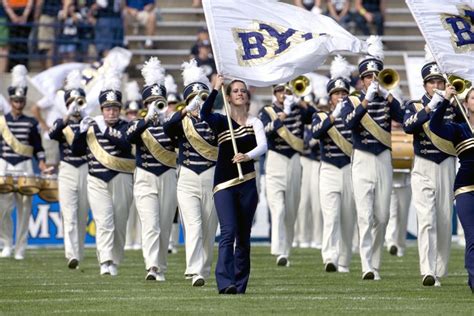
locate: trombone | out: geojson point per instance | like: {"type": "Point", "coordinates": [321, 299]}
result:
{"type": "Point", "coordinates": [388, 78]}
{"type": "Point", "coordinates": [300, 86]}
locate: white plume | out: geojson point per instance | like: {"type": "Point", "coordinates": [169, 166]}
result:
{"type": "Point", "coordinates": [73, 80]}
{"type": "Point", "coordinates": [19, 73]}
{"type": "Point", "coordinates": [193, 73]}
{"type": "Point", "coordinates": [170, 85]}
{"type": "Point", "coordinates": [428, 56]}
{"type": "Point", "coordinates": [375, 47]}
{"type": "Point", "coordinates": [341, 68]}
{"type": "Point", "coordinates": [112, 80]}
{"type": "Point", "coordinates": [153, 72]}
{"type": "Point", "coordinates": [133, 91]}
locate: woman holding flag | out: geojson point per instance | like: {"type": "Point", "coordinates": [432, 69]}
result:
{"type": "Point", "coordinates": [235, 196]}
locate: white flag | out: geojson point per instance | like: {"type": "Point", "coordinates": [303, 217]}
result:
{"type": "Point", "coordinates": [266, 42]}
{"type": "Point", "coordinates": [447, 26]}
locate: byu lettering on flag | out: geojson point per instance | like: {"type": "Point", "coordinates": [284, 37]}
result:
{"type": "Point", "coordinates": [448, 27]}
{"type": "Point", "coordinates": [267, 42]}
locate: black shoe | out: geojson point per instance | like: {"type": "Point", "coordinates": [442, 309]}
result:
{"type": "Point", "coordinates": [429, 280]}
{"type": "Point", "coordinates": [330, 267]}
{"type": "Point", "coordinates": [282, 261]}
{"type": "Point", "coordinates": [231, 289]}
{"type": "Point", "coordinates": [393, 250]}
{"type": "Point", "coordinates": [369, 275]}
{"type": "Point", "coordinates": [73, 263]}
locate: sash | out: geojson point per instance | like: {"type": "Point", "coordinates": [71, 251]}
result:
{"type": "Point", "coordinates": [160, 153]}
{"type": "Point", "coordinates": [114, 163]}
{"type": "Point", "coordinates": [12, 141]}
{"type": "Point", "coordinates": [442, 144]}
{"type": "Point", "coordinates": [372, 127]}
{"type": "Point", "coordinates": [337, 137]}
{"type": "Point", "coordinates": [199, 144]}
{"type": "Point", "coordinates": [233, 182]}
{"type": "Point", "coordinates": [295, 142]}
{"type": "Point", "coordinates": [68, 134]}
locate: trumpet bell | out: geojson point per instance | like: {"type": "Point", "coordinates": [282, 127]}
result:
{"type": "Point", "coordinates": [388, 78]}
{"type": "Point", "coordinates": [459, 83]}
{"type": "Point", "coordinates": [301, 86]}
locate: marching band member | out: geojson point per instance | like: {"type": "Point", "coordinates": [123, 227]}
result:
{"type": "Point", "coordinates": [236, 200]}
{"type": "Point", "coordinates": [335, 184]}
{"type": "Point", "coordinates": [72, 174]}
{"type": "Point", "coordinates": [432, 177]}
{"type": "Point", "coordinates": [155, 176]}
{"type": "Point", "coordinates": [369, 116]}
{"type": "Point", "coordinates": [20, 142]}
{"type": "Point", "coordinates": [111, 164]}
{"type": "Point", "coordinates": [461, 136]}
{"type": "Point", "coordinates": [132, 106]}
{"type": "Point", "coordinates": [197, 156]}
{"type": "Point", "coordinates": [284, 123]}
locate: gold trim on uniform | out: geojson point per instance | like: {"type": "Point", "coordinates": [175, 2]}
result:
{"type": "Point", "coordinates": [68, 135]}
{"type": "Point", "coordinates": [239, 132]}
{"type": "Point", "coordinates": [12, 141]}
{"type": "Point", "coordinates": [295, 142]}
{"type": "Point", "coordinates": [114, 163]}
{"type": "Point", "coordinates": [160, 153]}
{"type": "Point", "coordinates": [199, 144]}
{"type": "Point", "coordinates": [465, 189]}
{"type": "Point", "coordinates": [442, 144]}
{"type": "Point", "coordinates": [464, 145]}
{"type": "Point", "coordinates": [372, 127]}
{"type": "Point", "coordinates": [337, 137]}
{"type": "Point", "coordinates": [234, 182]}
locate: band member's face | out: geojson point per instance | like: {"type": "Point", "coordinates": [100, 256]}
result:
{"type": "Point", "coordinates": [280, 95]}
{"type": "Point", "coordinates": [131, 115]}
{"type": "Point", "coordinates": [111, 114]}
{"type": "Point", "coordinates": [18, 103]}
{"type": "Point", "coordinates": [470, 102]}
{"type": "Point", "coordinates": [367, 80]}
{"type": "Point", "coordinates": [238, 94]}
{"type": "Point", "coordinates": [433, 84]}
{"type": "Point", "coordinates": [336, 96]}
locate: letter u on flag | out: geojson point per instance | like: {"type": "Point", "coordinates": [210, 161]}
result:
{"type": "Point", "coordinates": [447, 26]}
{"type": "Point", "coordinates": [267, 42]}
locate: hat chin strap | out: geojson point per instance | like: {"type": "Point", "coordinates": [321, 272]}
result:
{"type": "Point", "coordinates": [111, 122]}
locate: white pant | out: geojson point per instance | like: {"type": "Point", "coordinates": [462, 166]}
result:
{"type": "Point", "coordinates": [199, 218]}
{"type": "Point", "coordinates": [134, 227]}
{"type": "Point", "coordinates": [23, 209]}
{"type": "Point", "coordinates": [283, 183]}
{"type": "Point", "coordinates": [339, 214]}
{"type": "Point", "coordinates": [432, 189]}
{"type": "Point", "coordinates": [372, 185]}
{"type": "Point", "coordinates": [156, 202]}
{"type": "Point", "coordinates": [110, 203]}
{"type": "Point", "coordinates": [396, 233]}
{"type": "Point", "coordinates": [72, 189]}
{"type": "Point", "coordinates": [308, 227]}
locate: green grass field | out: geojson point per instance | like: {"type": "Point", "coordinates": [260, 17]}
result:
{"type": "Point", "coordinates": [42, 284]}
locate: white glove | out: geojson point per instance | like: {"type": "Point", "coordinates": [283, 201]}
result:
{"type": "Point", "coordinates": [372, 91]}
{"type": "Point", "coordinates": [316, 10]}
{"type": "Point", "coordinates": [102, 3]}
{"type": "Point", "coordinates": [72, 109]}
{"type": "Point", "coordinates": [384, 93]}
{"type": "Point", "coordinates": [337, 111]}
{"type": "Point", "coordinates": [194, 104]}
{"type": "Point", "coordinates": [101, 124]}
{"type": "Point", "coordinates": [287, 103]}
{"type": "Point", "coordinates": [313, 142]}
{"type": "Point", "coordinates": [151, 112]}
{"type": "Point", "coordinates": [435, 101]}
{"type": "Point", "coordinates": [85, 123]}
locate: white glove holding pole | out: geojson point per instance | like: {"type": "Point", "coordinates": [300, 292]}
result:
{"type": "Point", "coordinates": [194, 104]}
{"type": "Point", "coordinates": [85, 123]}
{"type": "Point", "coordinates": [372, 91]}
{"type": "Point", "coordinates": [337, 111]}
{"type": "Point", "coordinates": [436, 100]}
{"type": "Point", "coordinates": [287, 103]}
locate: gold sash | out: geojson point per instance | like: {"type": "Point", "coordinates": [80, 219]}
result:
{"type": "Point", "coordinates": [465, 189]}
{"type": "Point", "coordinates": [68, 134]}
{"type": "Point", "coordinates": [372, 127]}
{"type": "Point", "coordinates": [12, 141]}
{"type": "Point", "coordinates": [160, 153]}
{"type": "Point", "coordinates": [114, 163]}
{"type": "Point", "coordinates": [199, 144]}
{"type": "Point", "coordinates": [233, 182]}
{"type": "Point", "coordinates": [295, 142]}
{"type": "Point", "coordinates": [337, 137]}
{"type": "Point", "coordinates": [442, 144]}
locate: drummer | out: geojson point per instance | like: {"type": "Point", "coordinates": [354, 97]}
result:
{"type": "Point", "coordinates": [20, 142]}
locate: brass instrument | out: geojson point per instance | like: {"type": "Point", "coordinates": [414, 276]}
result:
{"type": "Point", "coordinates": [459, 84]}
{"type": "Point", "coordinates": [388, 78]}
{"type": "Point", "coordinates": [160, 103]}
{"type": "Point", "coordinates": [203, 94]}
{"type": "Point", "coordinates": [180, 106]}
{"type": "Point", "coordinates": [300, 86]}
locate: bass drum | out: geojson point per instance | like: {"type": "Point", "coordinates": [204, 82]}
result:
{"type": "Point", "coordinates": [28, 185]}
{"type": "Point", "coordinates": [49, 188]}
{"type": "Point", "coordinates": [402, 152]}
{"type": "Point", "coordinates": [7, 183]}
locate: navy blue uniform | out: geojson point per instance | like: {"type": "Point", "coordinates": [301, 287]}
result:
{"type": "Point", "coordinates": [65, 150]}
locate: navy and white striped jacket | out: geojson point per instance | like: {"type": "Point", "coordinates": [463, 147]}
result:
{"type": "Point", "coordinates": [65, 151]}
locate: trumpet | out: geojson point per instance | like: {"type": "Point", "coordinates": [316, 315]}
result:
{"type": "Point", "coordinates": [300, 86]}
{"type": "Point", "coordinates": [160, 104]}
{"type": "Point", "coordinates": [459, 84]}
{"type": "Point", "coordinates": [203, 94]}
{"type": "Point", "coordinates": [388, 78]}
